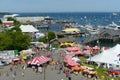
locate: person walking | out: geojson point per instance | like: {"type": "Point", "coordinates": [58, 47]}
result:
{"type": "Point", "coordinates": [23, 74]}
{"type": "Point", "coordinates": [15, 73]}
{"type": "Point", "coordinates": [11, 69]}
{"type": "Point", "coordinates": [40, 70]}
{"type": "Point", "coordinates": [7, 74]}
{"type": "Point", "coordinates": [13, 76]}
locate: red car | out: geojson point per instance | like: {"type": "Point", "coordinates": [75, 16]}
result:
{"type": "Point", "coordinates": [114, 72]}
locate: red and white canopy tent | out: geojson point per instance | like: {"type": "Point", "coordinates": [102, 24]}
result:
{"type": "Point", "coordinates": [87, 52]}
{"type": "Point", "coordinates": [72, 63]}
{"type": "Point", "coordinates": [39, 60]}
{"type": "Point", "coordinates": [87, 47]}
{"type": "Point", "coordinates": [96, 49]}
{"type": "Point", "coordinates": [69, 49]}
{"type": "Point", "coordinates": [76, 53]}
{"type": "Point", "coordinates": [69, 62]}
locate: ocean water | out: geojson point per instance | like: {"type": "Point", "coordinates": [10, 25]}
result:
{"type": "Point", "coordinates": [93, 18]}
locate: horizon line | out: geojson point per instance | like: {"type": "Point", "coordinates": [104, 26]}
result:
{"type": "Point", "coordinates": [71, 12]}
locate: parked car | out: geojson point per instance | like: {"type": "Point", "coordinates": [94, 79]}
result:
{"type": "Point", "coordinates": [114, 72]}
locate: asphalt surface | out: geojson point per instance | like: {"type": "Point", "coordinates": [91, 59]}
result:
{"type": "Point", "coordinates": [49, 73]}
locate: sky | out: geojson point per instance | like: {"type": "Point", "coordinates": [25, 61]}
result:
{"type": "Point", "coordinates": [59, 5]}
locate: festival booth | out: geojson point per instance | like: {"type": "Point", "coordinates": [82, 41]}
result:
{"type": "Point", "coordinates": [67, 58]}
{"type": "Point", "coordinates": [67, 44]}
{"type": "Point", "coordinates": [108, 58]}
{"type": "Point", "coordinates": [87, 48]}
{"type": "Point", "coordinates": [76, 69]}
{"type": "Point", "coordinates": [16, 61]}
{"type": "Point", "coordinates": [7, 56]}
{"type": "Point", "coordinates": [25, 54]}
{"type": "Point", "coordinates": [39, 61]}
{"type": "Point", "coordinates": [40, 45]}
{"type": "Point", "coordinates": [69, 49]}
{"type": "Point", "coordinates": [72, 63]}
{"type": "Point", "coordinates": [38, 35]}
{"type": "Point", "coordinates": [76, 59]}
{"type": "Point", "coordinates": [95, 50]}
{"type": "Point", "coordinates": [68, 62]}
{"type": "Point", "coordinates": [87, 53]}
{"type": "Point", "coordinates": [76, 51]}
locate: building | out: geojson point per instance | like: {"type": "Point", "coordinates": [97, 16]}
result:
{"type": "Point", "coordinates": [8, 23]}
{"type": "Point", "coordinates": [105, 37]}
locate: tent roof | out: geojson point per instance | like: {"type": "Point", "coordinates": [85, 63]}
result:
{"type": "Point", "coordinates": [39, 60]}
{"type": "Point", "coordinates": [28, 28]}
{"type": "Point", "coordinates": [109, 56]}
{"type": "Point", "coordinates": [69, 30]}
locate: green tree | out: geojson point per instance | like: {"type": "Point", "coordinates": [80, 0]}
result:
{"type": "Point", "coordinates": [0, 21]}
{"type": "Point", "coordinates": [20, 41]}
{"type": "Point", "coordinates": [43, 39]}
{"type": "Point", "coordinates": [5, 41]}
{"type": "Point", "coordinates": [51, 35]}
{"type": "Point", "coordinates": [15, 21]}
{"type": "Point", "coordinates": [14, 40]}
{"type": "Point", "coordinates": [16, 28]}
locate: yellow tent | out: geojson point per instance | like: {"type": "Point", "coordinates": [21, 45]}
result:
{"type": "Point", "coordinates": [65, 44]}
{"type": "Point", "coordinates": [71, 30]}
{"type": "Point", "coordinates": [62, 45]}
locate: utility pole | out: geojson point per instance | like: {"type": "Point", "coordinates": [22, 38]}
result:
{"type": "Point", "coordinates": [44, 73]}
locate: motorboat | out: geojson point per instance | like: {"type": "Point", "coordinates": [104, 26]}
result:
{"type": "Point", "coordinates": [91, 29]}
{"type": "Point", "coordinates": [113, 26]}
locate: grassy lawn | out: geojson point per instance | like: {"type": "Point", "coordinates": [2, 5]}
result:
{"type": "Point", "coordinates": [101, 72]}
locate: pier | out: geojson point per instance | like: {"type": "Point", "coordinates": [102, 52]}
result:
{"type": "Point", "coordinates": [91, 40]}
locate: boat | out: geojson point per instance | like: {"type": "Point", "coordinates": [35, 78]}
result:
{"type": "Point", "coordinates": [91, 29]}
{"type": "Point", "coordinates": [114, 13]}
{"type": "Point", "coordinates": [113, 26]}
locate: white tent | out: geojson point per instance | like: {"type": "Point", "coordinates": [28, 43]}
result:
{"type": "Point", "coordinates": [38, 35]}
{"type": "Point", "coordinates": [76, 59]}
{"type": "Point", "coordinates": [28, 28]}
{"type": "Point", "coordinates": [110, 56]}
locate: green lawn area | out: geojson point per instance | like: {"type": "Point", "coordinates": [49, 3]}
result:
{"type": "Point", "coordinates": [101, 72]}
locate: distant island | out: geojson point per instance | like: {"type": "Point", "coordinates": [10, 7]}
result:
{"type": "Point", "coordinates": [4, 13]}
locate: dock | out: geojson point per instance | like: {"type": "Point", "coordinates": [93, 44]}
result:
{"type": "Point", "coordinates": [91, 40]}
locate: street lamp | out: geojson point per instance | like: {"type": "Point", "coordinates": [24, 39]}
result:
{"type": "Point", "coordinates": [44, 71]}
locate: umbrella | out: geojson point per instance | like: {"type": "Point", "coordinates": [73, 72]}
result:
{"type": "Point", "coordinates": [87, 47]}
{"type": "Point", "coordinates": [76, 68]}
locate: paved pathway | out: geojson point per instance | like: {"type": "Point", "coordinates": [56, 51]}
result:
{"type": "Point", "coordinates": [31, 75]}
